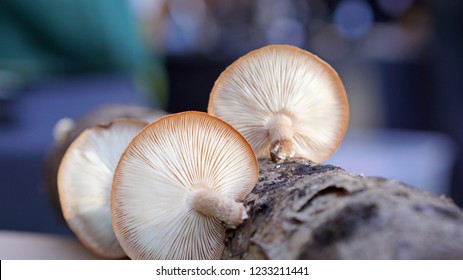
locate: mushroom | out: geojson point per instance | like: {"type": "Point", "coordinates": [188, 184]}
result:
{"type": "Point", "coordinates": [286, 101]}
{"type": "Point", "coordinates": [179, 185]}
{"type": "Point", "coordinates": [66, 130]}
{"type": "Point", "coordinates": [85, 179]}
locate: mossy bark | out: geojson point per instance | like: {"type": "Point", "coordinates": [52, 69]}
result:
{"type": "Point", "coordinates": [300, 210]}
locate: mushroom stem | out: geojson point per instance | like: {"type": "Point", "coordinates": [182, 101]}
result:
{"type": "Point", "coordinates": [281, 137]}
{"type": "Point", "coordinates": [212, 204]}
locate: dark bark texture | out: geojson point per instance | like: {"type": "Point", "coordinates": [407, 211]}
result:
{"type": "Point", "coordinates": [300, 210]}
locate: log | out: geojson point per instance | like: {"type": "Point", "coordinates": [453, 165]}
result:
{"type": "Point", "coordinates": [301, 210]}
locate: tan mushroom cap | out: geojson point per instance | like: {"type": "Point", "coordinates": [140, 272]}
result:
{"type": "Point", "coordinates": [85, 179]}
{"type": "Point", "coordinates": [279, 94]}
{"type": "Point", "coordinates": [175, 163]}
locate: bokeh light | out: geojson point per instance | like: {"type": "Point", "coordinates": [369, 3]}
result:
{"type": "Point", "coordinates": [353, 18]}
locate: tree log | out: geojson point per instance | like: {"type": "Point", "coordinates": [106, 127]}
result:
{"type": "Point", "coordinates": [300, 210]}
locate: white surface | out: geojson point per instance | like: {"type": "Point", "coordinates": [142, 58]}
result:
{"type": "Point", "coordinates": [230, 269]}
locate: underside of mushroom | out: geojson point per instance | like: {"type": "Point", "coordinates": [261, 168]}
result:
{"type": "Point", "coordinates": [179, 185]}
{"type": "Point", "coordinates": [84, 183]}
{"type": "Point", "coordinates": [285, 101]}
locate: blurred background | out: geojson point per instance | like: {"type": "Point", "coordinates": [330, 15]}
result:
{"type": "Point", "coordinates": [400, 61]}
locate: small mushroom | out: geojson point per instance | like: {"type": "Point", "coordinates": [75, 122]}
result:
{"type": "Point", "coordinates": [179, 185]}
{"type": "Point", "coordinates": [286, 101]}
{"type": "Point", "coordinates": [85, 179]}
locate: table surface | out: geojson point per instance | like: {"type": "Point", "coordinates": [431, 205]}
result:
{"type": "Point", "coordinates": [15, 245]}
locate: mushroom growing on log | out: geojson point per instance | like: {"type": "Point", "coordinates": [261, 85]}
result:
{"type": "Point", "coordinates": [85, 178]}
{"type": "Point", "coordinates": [300, 210]}
{"type": "Point", "coordinates": [179, 185]}
{"type": "Point", "coordinates": [285, 101]}
{"type": "Point", "coordinates": [67, 130]}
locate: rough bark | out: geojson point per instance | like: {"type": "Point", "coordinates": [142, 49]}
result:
{"type": "Point", "coordinates": [300, 210]}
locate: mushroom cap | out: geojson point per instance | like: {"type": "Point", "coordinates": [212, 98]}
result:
{"type": "Point", "coordinates": [67, 130]}
{"type": "Point", "coordinates": [153, 216]}
{"type": "Point", "coordinates": [85, 179]}
{"type": "Point", "coordinates": [282, 79]}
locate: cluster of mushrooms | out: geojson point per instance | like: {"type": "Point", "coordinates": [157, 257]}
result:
{"type": "Point", "coordinates": [169, 189]}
